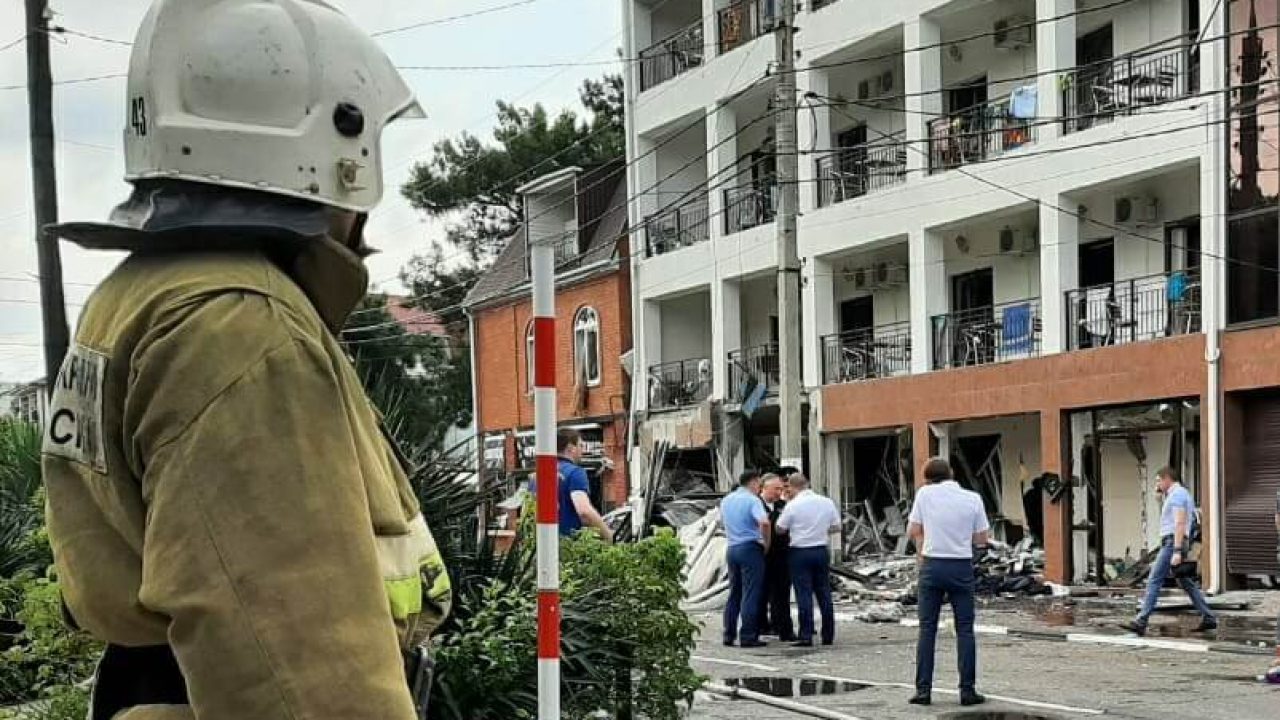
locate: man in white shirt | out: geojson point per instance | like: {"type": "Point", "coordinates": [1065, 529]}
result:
{"type": "Point", "coordinates": [809, 519]}
{"type": "Point", "coordinates": [946, 523]}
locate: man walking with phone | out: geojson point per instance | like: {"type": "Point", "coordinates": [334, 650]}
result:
{"type": "Point", "coordinates": [1177, 522]}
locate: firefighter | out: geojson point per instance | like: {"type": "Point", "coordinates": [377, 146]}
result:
{"type": "Point", "coordinates": [225, 510]}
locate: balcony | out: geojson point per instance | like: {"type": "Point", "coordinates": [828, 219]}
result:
{"type": "Point", "coordinates": [853, 172]}
{"type": "Point", "coordinates": [1136, 310]}
{"type": "Point", "coordinates": [748, 207]}
{"type": "Point", "coordinates": [980, 336]}
{"type": "Point", "coordinates": [741, 22]}
{"type": "Point", "coordinates": [879, 352]}
{"type": "Point", "coordinates": [677, 227]}
{"type": "Point", "coordinates": [672, 56]}
{"type": "Point", "coordinates": [568, 254]}
{"type": "Point", "coordinates": [1098, 93]}
{"type": "Point", "coordinates": [748, 366]}
{"type": "Point", "coordinates": [978, 133]}
{"type": "Point", "coordinates": [678, 384]}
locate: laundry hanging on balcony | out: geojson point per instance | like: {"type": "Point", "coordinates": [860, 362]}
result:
{"type": "Point", "coordinates": [1023, 102]}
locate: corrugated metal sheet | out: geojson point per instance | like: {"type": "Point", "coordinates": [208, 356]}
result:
{"type": "Point", "coordinates": [1251, 510]}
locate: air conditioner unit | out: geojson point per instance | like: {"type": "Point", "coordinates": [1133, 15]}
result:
{"type": "Point", "coordinates": [1136, 209]}
{"type": "Point", "coordinates": [1019, 241]}
{"type": "Point", "coordinates": [1013, 32]}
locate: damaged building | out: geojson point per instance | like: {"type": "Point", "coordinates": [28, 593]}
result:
{"type": "Point", "coordinates": [1060, 343]}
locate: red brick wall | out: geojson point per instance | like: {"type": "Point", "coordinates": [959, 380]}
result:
{"type": "Point", "coordinates": [503, 403]}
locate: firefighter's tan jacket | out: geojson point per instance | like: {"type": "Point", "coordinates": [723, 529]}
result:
{"type": "Point", "coordinates": [218, 481]}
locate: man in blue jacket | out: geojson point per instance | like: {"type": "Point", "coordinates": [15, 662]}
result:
{"type": "Point", "coordinates": [576, 510]}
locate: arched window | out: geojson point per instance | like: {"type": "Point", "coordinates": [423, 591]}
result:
{"type": "Point", "coordinates": [586, 346]}
{"type": "Point", "coordinates": [528, 358]}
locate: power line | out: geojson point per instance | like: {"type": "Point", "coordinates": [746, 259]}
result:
{"type": "Point", "coordinates": [452, 18]}
{"type": "Point", "coordinates": [14, 43]}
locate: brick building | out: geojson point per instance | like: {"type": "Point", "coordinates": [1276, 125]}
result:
{"type": "Point", "coordinates": [582, 211]}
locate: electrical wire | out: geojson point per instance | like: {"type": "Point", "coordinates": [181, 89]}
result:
{"type": "Point", "coordinates": [451, 18]}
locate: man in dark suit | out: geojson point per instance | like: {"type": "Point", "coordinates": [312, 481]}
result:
{"type": "Point", "coordinates": [775, 601]}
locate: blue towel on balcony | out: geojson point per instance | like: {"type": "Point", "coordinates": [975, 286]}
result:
{"type": "Point", "coordinates": [1177, 286]}
{"type": "Point", "coordinates": [1023, 102]}
{"type": "Point", "coordinates": [1018, 333]}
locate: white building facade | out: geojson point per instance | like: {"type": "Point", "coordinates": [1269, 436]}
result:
{"type": "Point", "coordinates": [1014, 219]}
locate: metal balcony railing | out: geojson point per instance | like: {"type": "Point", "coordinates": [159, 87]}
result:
{"type": "Point", "coordinates": [568, 253]}
{"type": "Point", "coordinates": [674, 55]}
{"type": "Point", "coordinates": [1095, 94]}
{"type": "Point", "coordinates": [879, 352]}
{"type": "Point", "coordinates": [977, 133]}
{"type": "Point", "coordinates": [748, 207]}
{"type": "Point", "coordinates": [1129, 311]}
{"type": "Point", "coordinates": [743, 21]}
{"type": "Point", "coordinates": [679, 384]}
{"type": "Point", "coordinates": [1008, 331]}
{"type": "Point", "coordinates": [856, 171]}
{"type": "Point", "coordinates": [752, 365]}
{"type": "Point", "coordinates": [677, 227]}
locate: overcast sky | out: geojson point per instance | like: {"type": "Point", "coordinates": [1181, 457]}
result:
{"type": "Point", "coordinates": [89, 119]}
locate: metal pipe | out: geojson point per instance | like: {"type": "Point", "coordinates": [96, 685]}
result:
{"type": "Point", "coordinates": [780, 703]}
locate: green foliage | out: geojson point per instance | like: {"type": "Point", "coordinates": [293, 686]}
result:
{"type": "Point", "coordinates": [470, 178]}
{"type": "Point", "coordinates": [63, 703]}
{"type": "Point", "coordinates": [621, 618]}
{"type": "Point", "coordinates": [24, 546]}
{"type": "Point", "coordinates": [45, 656]}
{"type": "Point", "coordinates": [422, 385]}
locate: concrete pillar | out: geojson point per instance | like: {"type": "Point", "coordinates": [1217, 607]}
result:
{"type": "Point", "coordinates": [1059, 269]}
{"type": "Point", "coordinates": [814, 132]}
{"type": "Point", "coordinates": [726, 332]}
{"type": "Point", "coordinates": [928, 294]}
{"type": "Point", "coordinates": [722, 158]}
{"type": "Point", "coordinates": [645, 175]}
{"type": "Point", "coordinates": [1055, 53]}
{"type": "Point", "coordinates": [710, 29]}
{"type": "Point", "coordinates": [921, 441]}
{"type": "Point", "coordinates": [1057, 515]}
{"type": "Point", "coordinates": [923, 75]}
{"type": "Point", "coordinates": [650, 345]}
{"type": "Point", "coordinates": [1081, 426]}
{"type": "Point", "coordinates": [818, 296]}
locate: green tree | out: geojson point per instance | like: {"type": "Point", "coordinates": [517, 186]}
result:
{"type": "Point", "coordinates": [474, 182]}
{"type": "Point", "coordinates": [427, 378]}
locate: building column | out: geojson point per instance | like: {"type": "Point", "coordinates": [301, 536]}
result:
{"type": "Point", "coordinates": [921, 440]}
{"type": "Point", "coordinates": [814, 132]}
{"type": "Point", "coordinates": [923, 80]}
{"type": "Point", "coordinates": [650, 346]}
{"type": "Point", "coordinates": [726, 332]}
{"type": "Point", "coordinates": [722, 158]}
{"type": "Point", "coordinates": [818, 300]}
{"type": "Point", "coordinates": [710, 30]}
{"type": "Point", "coordinates": [1059, 269]}
{"type": "Point", "coordinates": [1057, 515]}
{"type": "Point", "coordinates": [1213, 244]}
{"type": "Point", "coordinates": [928, 294]}
{"type": "Point", "coordinates": [645, 175]}
{"type": "Point", "coordinates": [1055, 54]}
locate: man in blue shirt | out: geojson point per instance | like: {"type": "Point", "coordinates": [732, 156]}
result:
{"type": "Point", "coordinates": [1177, 518]}
{"type": "Point", "coordinates": [576, 510]}
{"type": "Point", "coordinates": [746, 525]}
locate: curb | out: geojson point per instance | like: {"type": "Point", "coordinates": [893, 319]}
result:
{"type": "Point", "coordinates": [1118, 640]}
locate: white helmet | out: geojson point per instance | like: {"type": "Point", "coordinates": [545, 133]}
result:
{"type": "Point", "coordinates": [281, 96]}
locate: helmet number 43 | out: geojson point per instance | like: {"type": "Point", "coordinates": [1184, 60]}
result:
{"type": "Point", "coordinates": [138, 116]}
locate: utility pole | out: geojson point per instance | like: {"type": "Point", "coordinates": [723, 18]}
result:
{"type": "Point", "coordinates": [44, 185]}
{"type": "Point", "coordinates": [787, 162]}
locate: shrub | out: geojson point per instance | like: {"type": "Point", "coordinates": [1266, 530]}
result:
{"type": "Point", "coordinates": [46, 656]}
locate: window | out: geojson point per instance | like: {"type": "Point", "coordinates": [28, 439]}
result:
{"type": "Point", "coordinates": [586, 346]}
{"type": "Point", "coordinates": [528, 359]}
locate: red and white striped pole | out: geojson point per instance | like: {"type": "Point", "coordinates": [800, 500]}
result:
{"type": "Point", "coordinates": [542, 257]}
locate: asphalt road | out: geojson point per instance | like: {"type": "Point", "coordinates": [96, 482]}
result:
{"type": "Point", "coordinates": [1041, 679]}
